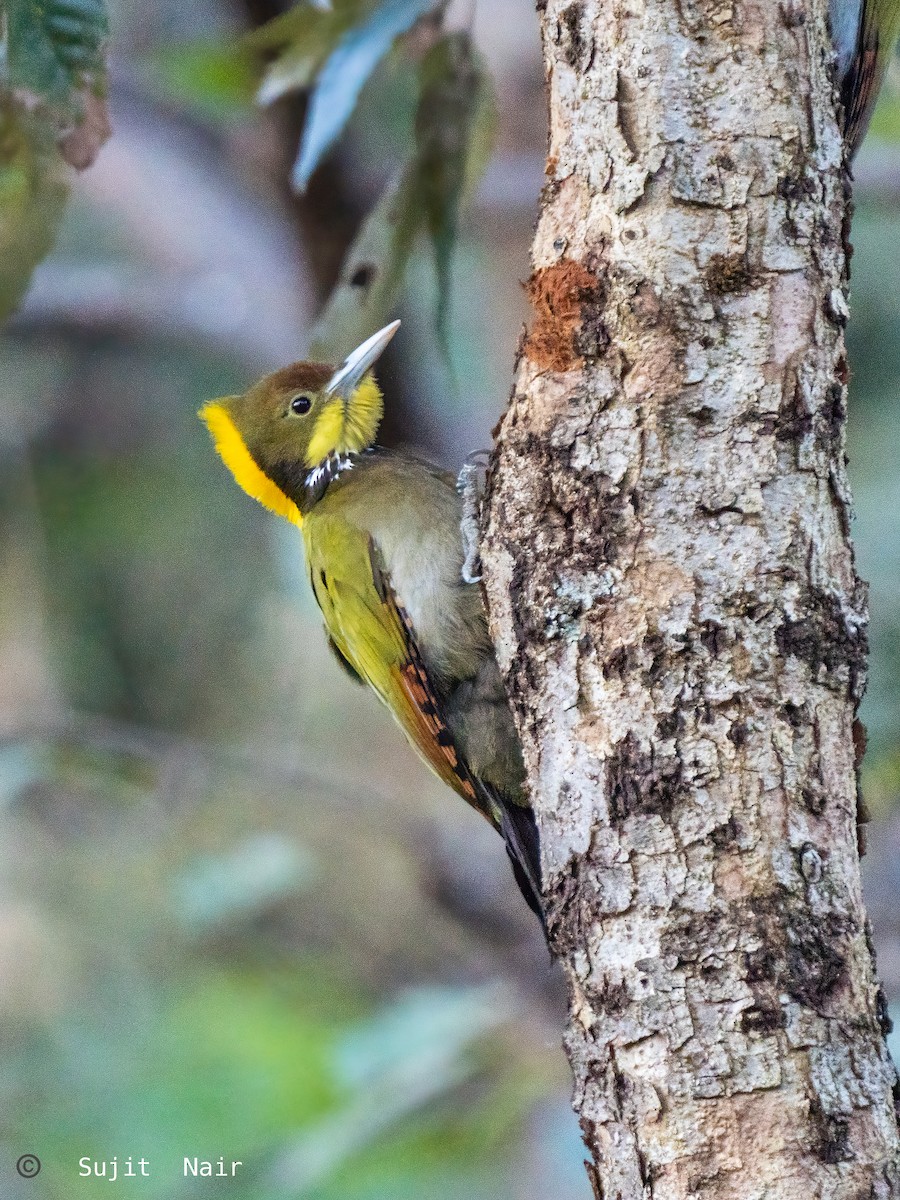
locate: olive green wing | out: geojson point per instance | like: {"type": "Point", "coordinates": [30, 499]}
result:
{"type": "Point", "coordinates": [373, 634]}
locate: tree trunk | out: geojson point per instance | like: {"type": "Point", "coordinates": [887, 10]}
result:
{"type": "Point", "coordinates": [677, 614]}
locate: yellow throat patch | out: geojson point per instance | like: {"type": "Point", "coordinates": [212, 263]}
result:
{"type": "Point", "coordinates": [237, 458]}
{"type": "Point", "coordinates": [347, 429]}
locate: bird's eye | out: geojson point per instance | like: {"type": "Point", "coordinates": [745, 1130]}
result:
{"type": "Point", "coordinates": [301, 405]}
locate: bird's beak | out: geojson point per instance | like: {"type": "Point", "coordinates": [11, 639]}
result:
{"type": "Point", "coordinates": [346, 378]}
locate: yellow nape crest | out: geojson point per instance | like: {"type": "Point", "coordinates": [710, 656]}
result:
{"type": "Point", "coordinates": [237, 458]}
{"type": "Point", "coordinates": [347, 428]}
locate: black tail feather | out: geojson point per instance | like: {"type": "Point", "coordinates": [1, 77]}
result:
{"type": "Point", "coordinates": [519, 831]}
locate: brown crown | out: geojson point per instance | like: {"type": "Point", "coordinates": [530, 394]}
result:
{"type": "Point", "coordinates": [302, 376]}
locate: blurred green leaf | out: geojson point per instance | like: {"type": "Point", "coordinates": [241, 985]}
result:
{"type": "Point", "coordinates": [372, 274]}
{"type": "Point", "coordinates": [33, 194]}
{"type": "Point", "coordinates": [456, 100]}
{"type": "Point", "coordinates": [51, 111]}
{"type": "Point", "coordinates": [54, 46]}
{"type": "Point", "coordinates": [308, 22]}
{"type": "Point", "coordinates": [454, 129]}
{"type": "Point", "coordinates": [304, 37]}
{"type": "Point", "coordinates": [294, 69]}
{"type": "Point", "coordinates": [215, 79]}
{"type": "Point", "coordinates": [342, 78]}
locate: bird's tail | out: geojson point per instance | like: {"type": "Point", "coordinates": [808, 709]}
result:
{"type": "Point", "coordinates": [517, 825]}
{"type": "Point", "coordinates": [879, 24]}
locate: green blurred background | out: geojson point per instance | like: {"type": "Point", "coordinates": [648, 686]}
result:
{"type": "Point", "coordinates": [237, 916]}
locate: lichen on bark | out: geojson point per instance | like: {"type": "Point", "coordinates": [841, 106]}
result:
{"type": "Point", "coordinates": [676, 609]}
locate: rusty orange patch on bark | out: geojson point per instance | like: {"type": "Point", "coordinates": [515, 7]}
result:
{"type": "Point", "coordinates": [558, 294]}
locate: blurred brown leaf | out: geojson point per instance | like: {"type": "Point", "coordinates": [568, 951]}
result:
{"type": "Point", "coordinates": [81, 145]}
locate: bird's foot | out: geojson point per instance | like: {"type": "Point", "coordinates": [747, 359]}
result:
{"type": "Point", "coordinates": [470, 485]}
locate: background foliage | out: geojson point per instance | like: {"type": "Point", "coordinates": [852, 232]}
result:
{"type": "Point", "coordinates": [237, 916]}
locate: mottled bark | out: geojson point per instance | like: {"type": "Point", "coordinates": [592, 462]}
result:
{"type": "Point", "coordinates": [673, 595]}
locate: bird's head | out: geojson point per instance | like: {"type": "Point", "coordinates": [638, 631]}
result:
{"type": "Point", "coordinates": [283, 437]}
